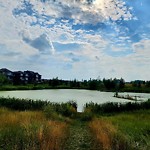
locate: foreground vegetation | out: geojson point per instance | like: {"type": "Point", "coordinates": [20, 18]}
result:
{"type": "Point", "coordinates": [125, 131]}
{"type": "Point", "coordinates": [30, 131]}
{"type": "Point", "coordinates": [41, 125]}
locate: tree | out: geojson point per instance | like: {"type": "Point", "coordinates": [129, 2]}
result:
{"type": "Point", "coordinates": [93, 85]}
{"type": "Point", "coordinates": [55, 82]}
{"type": "Point", "coordinates": [3, 79]}
{"type": "Point", "coordinates": [147, 84]}
{"type": "Point", "coordinates": [121, 83]}
{"type": "Point", "coordinates": [109, 83]}
{"type": "Point", "coordinates": [137, 83]}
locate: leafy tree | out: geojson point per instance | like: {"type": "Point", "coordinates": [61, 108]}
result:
{"type": "Point", "coordinates": [109, 83]}
{"type": "Point", "coordinates": [74, 83]}
{"type": "Point", "coordinates": [122, 83]}
{"type": "Point", "coordinates": [136, 83]}
{"type": "Point", "coordinates": [93, 85]}
{"type": "Point", "coordinates": [3, 79]}
{"type": "Point", "coordinates": [55, 82]}
{"type": "Point", "coordinates": [147, 84]}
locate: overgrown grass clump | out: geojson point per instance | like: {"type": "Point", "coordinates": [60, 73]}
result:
{"type": "Point", "coordinates": [107, 135]}
{"type": "Point", "coordinates": [30, 130]}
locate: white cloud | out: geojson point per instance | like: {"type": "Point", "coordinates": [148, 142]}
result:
{"type": "Point", "coordinates": [10, 28]}
{"type": "Point", "coordinates": [22, 34]}
{"type": "Point", "coordinates": [141, 48]}
{"type": "Point", "coordinates": [81, 12]}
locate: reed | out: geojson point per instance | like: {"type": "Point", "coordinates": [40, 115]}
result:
{"type": "Point", "coordinates": [114, 107]}
{"type": "Point", "coordinates": [68, 109]}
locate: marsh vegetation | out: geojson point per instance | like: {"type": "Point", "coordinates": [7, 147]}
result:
{"type": "Point", "coordinates": [57, 126]}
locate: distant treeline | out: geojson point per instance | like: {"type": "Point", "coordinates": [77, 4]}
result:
{"type": "Point", "coordinates": [91, 84]}
{"type": "Point", "coordinates": [102, 85]}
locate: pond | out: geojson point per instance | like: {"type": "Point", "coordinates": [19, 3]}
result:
{"type": "Point", "coordinates": [64, 95]}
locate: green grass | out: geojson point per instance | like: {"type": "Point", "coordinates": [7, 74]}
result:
{"type": "Point", "coordinates": [135, 126]}
{"type": "Point", "coordinates": [11, 87]}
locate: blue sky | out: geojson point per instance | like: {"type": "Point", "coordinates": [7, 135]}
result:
{"type": "Point", "coordinates": [76, 39]}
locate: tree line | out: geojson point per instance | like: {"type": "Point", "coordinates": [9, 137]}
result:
{"type": "Point", "coordinates": [91, 84]}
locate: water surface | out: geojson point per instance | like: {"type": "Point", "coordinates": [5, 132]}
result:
{"type": "Point", "coordinates": [64, 95]}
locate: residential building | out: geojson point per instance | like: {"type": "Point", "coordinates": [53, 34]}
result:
{"type": "Point", "coordinates": [18, 77]}
{"type": "Point", "coordinates": [21, 77]}
{"type": "Point", "coordinates": [32, 77]}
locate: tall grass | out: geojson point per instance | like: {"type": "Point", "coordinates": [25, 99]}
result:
{"type": "Point", "coordinates": [22, 104]}
{"type": "Point", "coordinates": [136, 126]}
{"type": "Point", "coordinates": [30, 131]}
{"type": "Point", "coordinates": [125, 131]}
{"type": "Point", "coordinates": [107, 135]}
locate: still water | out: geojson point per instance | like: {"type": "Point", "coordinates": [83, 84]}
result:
{"type": "Point", "coordinates": [64, 95]}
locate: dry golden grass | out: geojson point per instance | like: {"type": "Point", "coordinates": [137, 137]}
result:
{"type": "Point", "coordinates": [108, 136]}
{"type": "Point", "coordinates": [104, 132]}
{"type": "Point", "coordinates": [52, 135]}
{"type": "Point", "coordinates": [31, 131]}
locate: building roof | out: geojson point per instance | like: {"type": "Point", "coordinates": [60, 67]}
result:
{"type": "Point", "coordinates": [5, 70]}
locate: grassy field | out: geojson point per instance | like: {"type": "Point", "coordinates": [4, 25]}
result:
{"type": "Point", "coordinates": [30, 130]}
{"type": "Point", "coordinates": [38, 125]}
{"type": "Point", "coordinates": [124, 131]}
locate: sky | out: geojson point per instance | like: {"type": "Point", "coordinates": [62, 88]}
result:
{"type": "Point", "coordinates": [79, 39]}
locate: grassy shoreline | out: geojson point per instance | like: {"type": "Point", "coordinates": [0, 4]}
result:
{"type": "Point", "coordinates": [34, 87]}
{"type": "Point", "coordinates": [46, 86]}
